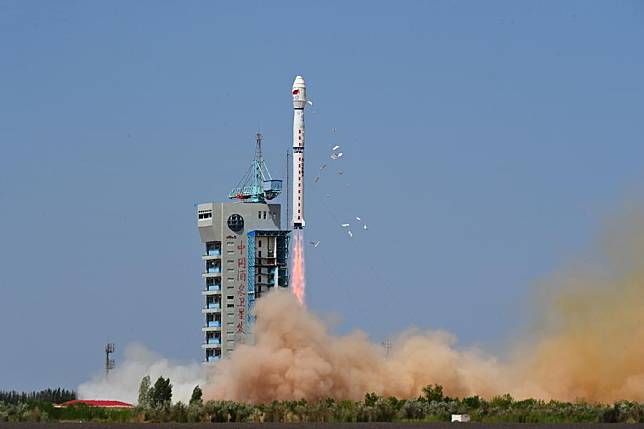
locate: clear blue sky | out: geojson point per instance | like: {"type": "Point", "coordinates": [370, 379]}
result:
{"type": "Point", "coordinates": [485, 143]}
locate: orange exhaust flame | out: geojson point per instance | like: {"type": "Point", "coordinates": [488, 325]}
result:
{"type": "Point", "coordinates": [298, 275]}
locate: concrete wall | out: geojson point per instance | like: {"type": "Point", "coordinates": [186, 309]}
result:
{"type": "Point", "coordinates": [234, 263]}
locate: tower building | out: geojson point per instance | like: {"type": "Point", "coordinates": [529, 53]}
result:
{"type": "Point", "coordinates": [245, 254]}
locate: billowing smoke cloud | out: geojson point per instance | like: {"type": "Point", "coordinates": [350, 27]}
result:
{"type": "Point", "coordinates": [123, 382]}
{"type": "Point", "coordinates": [589, 343]}
{"type": "Point", "coordinates": [296, 357]}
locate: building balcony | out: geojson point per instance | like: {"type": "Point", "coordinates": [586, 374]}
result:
{"type": "Point", "coordinates": [213, 358]}
{"type": "Point", "coordinates": [213, 290]}
{"type": "Point", "coordinates": [210, 346]}
{"type": "Point", "coordinates": [213, 305]}
{"type": "Point", "coordinates": [207, 310]}
{"type": "Point", "coordinates": [208, 275]}
{"type": "Point", "coordinates": [214, 341]}
{"type": "Point", "coordinates": [210, 257]}
{"type": "Point", "coordinates": [211, 329]}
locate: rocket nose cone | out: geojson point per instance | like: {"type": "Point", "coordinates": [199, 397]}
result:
{"type": "Point", "coordinates": [299, 82]}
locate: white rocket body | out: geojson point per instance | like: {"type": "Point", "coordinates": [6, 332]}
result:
{"type": "Point", "coordinates": [299, 103]}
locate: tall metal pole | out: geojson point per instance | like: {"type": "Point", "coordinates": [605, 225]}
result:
{"type": "Point", "coordinates": [288, 187]}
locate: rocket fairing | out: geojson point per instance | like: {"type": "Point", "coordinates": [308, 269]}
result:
{"type": "Point", "coordinates": [299, 103]}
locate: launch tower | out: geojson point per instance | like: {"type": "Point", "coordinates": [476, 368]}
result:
{"type": "Point", "coordinates": [245, 255]}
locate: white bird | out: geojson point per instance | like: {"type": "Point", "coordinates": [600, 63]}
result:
{"type": "Point", "coordinates": [365, 227]}
{"type": "Point", "coordinates": [344, 225]}
{"type": "Point", "coordinates": [357, 218]}
{"type": "Point", "coordinates": [314, 243]}
{"type": "Point", "coordinates": [317, 179]}
{"type": "Point", "coordinates": [322, 167]}
{"type": "Point", "coordinates": [340, 172]}
{"type": "Point", "coordinates": [336, 147]}
{"type": "Point", "coordinates": [340, 155]}
{"type": "Point", "coordinates": [333, 156]}
{"type": "Point", "coordinates": [310, 102]}
{"type": "Point", "coordinates": [350, 233]}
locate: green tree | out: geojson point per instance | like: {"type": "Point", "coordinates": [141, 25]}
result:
{"type": "Point", "coordinates": [433, 393]}
{"type": "Point", "coordinates": [144, 392]}
{"type": "Point", "coordinates": [370, 399]}
{"type": "Point", "coordinates": [161, 393]}
{"type": "Point", "coordinates": [196, 397]}
{"type": "Point", "coordinates": [472, 402]}
{"type": "Point", "coordinates": [179, 413]}
{"type": "Point", "coordinates": [503, 401]}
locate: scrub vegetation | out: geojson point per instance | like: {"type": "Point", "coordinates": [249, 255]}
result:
{"type": "Point", "coordinates": [433, 406]}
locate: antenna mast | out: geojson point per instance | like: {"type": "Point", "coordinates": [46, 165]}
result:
{"type": "Point", "coordinates": [109, 363]}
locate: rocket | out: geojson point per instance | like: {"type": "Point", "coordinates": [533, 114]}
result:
{"type": "Point", "coordinates": [299, 103]}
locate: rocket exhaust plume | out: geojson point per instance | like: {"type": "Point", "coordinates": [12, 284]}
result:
{"type": "Point", "coordinates": [296, 357]}
{"type": "Point", "coordinates": [298, 276]}
{"type": "Point", "coordinates": [590, 345]}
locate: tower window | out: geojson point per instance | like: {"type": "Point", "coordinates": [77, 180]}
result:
{"type": "Point", "coordinates": [204, 214]}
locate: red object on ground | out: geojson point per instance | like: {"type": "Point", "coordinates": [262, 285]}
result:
{"type": "Point", "coordinates": [96, 403]}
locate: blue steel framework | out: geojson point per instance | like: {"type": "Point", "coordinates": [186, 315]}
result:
{"type": "Point", "coordinates": [250, 278]}
{"type": "Point", "coordinates": [281, 265]}
{"type": "Point", "coordinates": [257, 185]}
